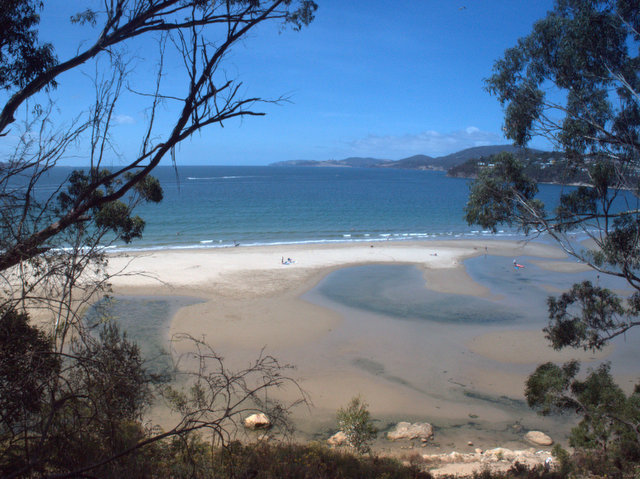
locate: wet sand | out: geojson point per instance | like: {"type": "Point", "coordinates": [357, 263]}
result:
{"type": "Point", "coordinates": [467, 380]}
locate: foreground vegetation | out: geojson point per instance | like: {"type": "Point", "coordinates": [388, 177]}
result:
{"type": "Point", "coordinates": [574, 81]}
{"type": "Point", "coordinates": [265, 461]}
{"type": "Point", "coordinates": [73, 402]}
{"type": "Point", "coordinates": [74, 399]}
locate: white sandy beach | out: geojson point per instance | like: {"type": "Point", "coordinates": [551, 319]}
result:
{"type": "Point", "coordinates": [463, 379]}
{"type": "Point", "coordinates": [256, 271]}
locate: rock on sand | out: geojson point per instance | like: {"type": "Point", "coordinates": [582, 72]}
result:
{"type": "Point", "coordinates": [538, 438]}
{"type": "Point", "coordinates": [257, 421]}
{"type": "Point", "coordinates": [405, 430]}
{"type": "Point", "coordinates": [498, 459]}
{"type": "Point", "coordinates": [338, 439]}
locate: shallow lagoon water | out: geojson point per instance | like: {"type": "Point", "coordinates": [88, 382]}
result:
{"type": "Point", "coordinates": [399, 291]}
{"type": "Point", "coordinates": [519, 296]}
{"type": "Point", "coordinates": [416, 340]}
{"type": "Point", "coordinates": [528, 287]}
{"type": "Point", "coordinates": [145, 320]}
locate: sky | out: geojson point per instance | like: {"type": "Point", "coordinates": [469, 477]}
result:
{"type": "Point", "coordinates": [383, 79]}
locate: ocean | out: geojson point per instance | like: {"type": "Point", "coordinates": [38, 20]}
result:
{"type": "Point", "coordinates": [393, 328]}
{"type": "Point", "coordinates": [221, 206]}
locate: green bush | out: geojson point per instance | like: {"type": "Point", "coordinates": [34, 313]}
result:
{"type": "Point", "coordinates": [355, 422]}
{"type": "Point", "coordinates": [312, 461]}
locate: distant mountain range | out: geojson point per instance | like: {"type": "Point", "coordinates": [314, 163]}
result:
{"type": "Point", "coordinates": [416, 162]}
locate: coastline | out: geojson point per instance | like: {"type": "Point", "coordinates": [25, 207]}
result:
{"type": "Point", "coordinates": [206, 271]}
{"type": "Point", "coordinates": [456, 377]}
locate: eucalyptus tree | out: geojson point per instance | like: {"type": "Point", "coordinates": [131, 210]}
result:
{"type": "Point", "coordinates": [52, 260]}
{"type": "Point", "coordinates": [574, 80]}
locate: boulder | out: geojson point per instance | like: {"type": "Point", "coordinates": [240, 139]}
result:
{"type": "Point", "coordinates": [405, 430]}
{"type": "Point", "coordinates": [498, 459]}
{"type": "Point", "coordinates": [338, 439]}
{"type": "Point", "coordinates": [538, 438]}
{"type": "Point", "coordinates": [456, 457]}
{"type": "Point", "coordinates": [257, 421]}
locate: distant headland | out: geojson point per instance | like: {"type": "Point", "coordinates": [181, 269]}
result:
{"type": "Point", "coordinates": [543, 166]}
{"type": "Point", "coordinates": [416, 162]}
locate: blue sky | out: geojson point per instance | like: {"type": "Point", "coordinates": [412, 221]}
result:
{"type": "Point", "coordinates": [366, 78]}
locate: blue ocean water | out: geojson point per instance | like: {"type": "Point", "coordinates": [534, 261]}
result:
{"type": "Point", "coordinates": [219, 206]}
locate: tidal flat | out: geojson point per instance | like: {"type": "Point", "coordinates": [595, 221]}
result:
{"type": "Point", "coordinates": [455, 353]}
{"type": "Point", "coordinates": [443, 332]}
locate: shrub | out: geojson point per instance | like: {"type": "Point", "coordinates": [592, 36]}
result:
{"type": "Point", "coordinates": [355, 422]}
{"type": "Point", "coordinates": [312, 461]}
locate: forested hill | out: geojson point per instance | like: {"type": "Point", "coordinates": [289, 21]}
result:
{"type": "Point", "coordinates": [543, 166]}
{"type": "Point", "coordinates": [416, 162]}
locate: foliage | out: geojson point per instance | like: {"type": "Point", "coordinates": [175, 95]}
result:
{"type": "Point", "coordinates": [106, 393]}
{"type": "Point", "coordinates": [28, 372]}
{"type": "Point", "coordinates": [608, 414]}
{"type": "Point", "coordinates": [206, 97]}
{"type": "Point", "coordinates": [275, 461]}
{"type": "Point", "coordinates": [73, 400]}
{"type": "Point", "coordinates": [586, 49]}
{"type": "Point", "coordinates": [114, 215]}
{"type": "Point", "coordinates": [83, 411]}
{"type": "Point", "coordinates": [22, 57]}
{"type": "Point", "coordinates": [355, 422]}
{"type": "Point", "coordinates": [62, 411]}
{"type": "Point", "coordinates": [491, 200]}
{"type": "Point", "coordinates": [111, 370]}
{"type": "Point", "coordinates": [587, 316]}
{"type": "Point", "coordinates": [541, 166]}
{"type": "Point", "coordinates": [26, 368]}
{"type": "Point", "coordinates": [517, 471]}
{"type": "Point", "coordinates": [574, 80]}
{"type": "Point", "coordinates": [610, 424]}
{"type": "Point", "coordinates": [564, 461]}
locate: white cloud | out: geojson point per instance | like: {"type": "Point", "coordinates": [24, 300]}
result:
{"type": "Point", "coordinates": [123, 120]}
{"type": "Point", "coordinates": [432, 143]}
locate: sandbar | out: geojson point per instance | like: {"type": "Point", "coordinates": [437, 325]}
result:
{"type": "Point", "coordinates": [466, 380]}
{"type": "Point", "coordinates": [258, 271]}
